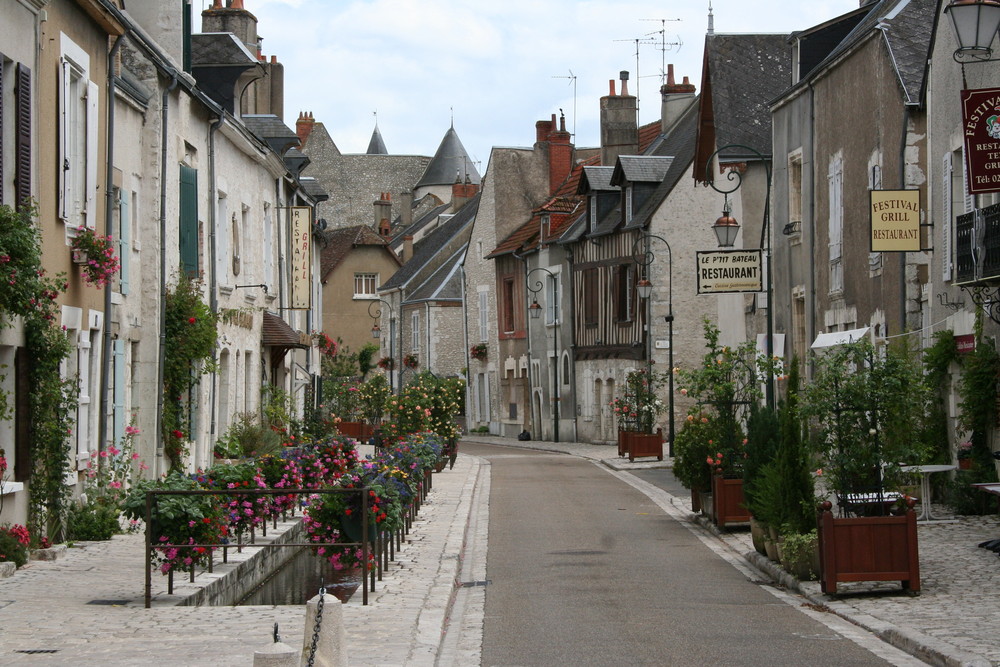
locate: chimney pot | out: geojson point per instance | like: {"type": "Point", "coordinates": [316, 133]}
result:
{"type": "Point", "coordinates": [670, 74]}
{"type": "Point", "coordinates": [611, 83]}
{"type": "Point", "coordinates": [624, 77]}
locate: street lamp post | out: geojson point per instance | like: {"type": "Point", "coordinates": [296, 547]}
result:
{"type": "Point", "coordinates": [535, 311]}
{"type": "Point", "coordinates": [645, 289]}
{"type": "Point", "coordinates": [377, 333]}
{"type": "Point", "coordinates": [725, 230]}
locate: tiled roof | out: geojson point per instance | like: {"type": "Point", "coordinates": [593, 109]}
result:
{"type": "Point", "coordinates": [219, 49]}
{"type": "Point", "coordinates": [445, 284]}
{"type": "Point", "coordinates": [313, 188]}
{"type": "Point", "coordinates": [450, 160]}
{"type": "Point", "coordinates": [272, 130]}
{"type": "Point", "coordinates": [398, 232]}
{"type": "Point", "coordinates": [338, 243]}
{"type": "Point", "coordinates": [640, 169]}
{"type": "Point", "coordinates": [597, 178]}
{"type": "Point", "coordinates": [276, 333]}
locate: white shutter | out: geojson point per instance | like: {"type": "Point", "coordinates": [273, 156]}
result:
{"type": "Point", "coordinates": [124, 239]}
{"type": "Point", "coordinates": [221, 242]}
{"type": "Point", "coordinates": [119, 391]}
{"type": "Point", "coordinates": [970, 200]}
{"type": "Point", "coordinates": [268, 251]}
{"type": "Point", "coordinates": [90, 210]}
{"type": "Point", "coordinates": [946, 217]}
{"type": "Point", "coordinates": [64, 138]}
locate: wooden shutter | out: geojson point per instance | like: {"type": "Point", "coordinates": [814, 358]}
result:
{"type": "Point", "coordinates": [22, 411]}
{"type": "Point", "coordinates": [946, 217]}
{"type": "Point", "coordinates": [22, 145]}
{"type": "Point", "coordinates": [119, 390]}
{"type": "Point", "coordinates": [189, 220]}
{"type": "Point", "coordinates": [90, 160]}
{"type": "Point", "coordinates": [124, 239]}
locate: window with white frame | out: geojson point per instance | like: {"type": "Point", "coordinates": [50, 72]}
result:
{"type": "Point", "coordinates": [484, 314]}
{"type": "Point", "coordinates": [628, 202]}
{"type": "Point", "coordinates": [552, 299]}
{"type": "Point", "coordinates": [415, 332]}
{"type": "Point", "coordinates": [78, 137]}
{"type": "Point", "coordinates": [835, 182]}
{"type": "Point", "coordinates": [592, 201]}
{"type": "Point", "coordinates": [795, 190]}
{"type": "Point", "coordinates": [364, 285]}
{"type": "Point", "coordinates": [875, 183]}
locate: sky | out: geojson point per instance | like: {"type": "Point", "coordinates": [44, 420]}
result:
{"type": "Point", "coordinates": [492, 68]}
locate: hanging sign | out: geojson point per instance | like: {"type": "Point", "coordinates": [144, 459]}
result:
{"type": "Point", "coordinates": [981, 134]}
{"type": "Point", "coordinates": [722, 271]}
{"type": "Point", "coordinates": [301, 231]}
{"type": "Point", "coordinates": [895, 220]}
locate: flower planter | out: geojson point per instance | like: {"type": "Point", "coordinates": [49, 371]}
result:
{"type": "Point", "coordinates": [758, 535]}
{"type": "Point", "coordinates": [727, 501]}
{"type": "Point", "coordinates": [637, 444]}
{"type": "Point", "coordinates": [882, 548]}
{"type": "Point", "coordinates": [803, 566]}
{"type": "Point", "coordinates": [357, 430]}
{"type": "Point", "coordinates": [705, 502]}
{"type": "Point", "coordinates": [80, 256]}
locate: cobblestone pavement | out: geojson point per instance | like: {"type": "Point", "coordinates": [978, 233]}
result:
{"type": "Point", "coordinates": [434, 585]}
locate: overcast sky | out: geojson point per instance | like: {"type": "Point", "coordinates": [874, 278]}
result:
{"type": "Point", "coordinates": [496, 66]}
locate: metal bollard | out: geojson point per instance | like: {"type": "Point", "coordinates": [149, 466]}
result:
{"type": "Point", "coordinates": [276, 654]}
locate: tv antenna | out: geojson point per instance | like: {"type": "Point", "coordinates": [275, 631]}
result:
{"type": "Point", "coordinates": [572, 78]}
{"type": "Point", "coordinates": [663, 47]}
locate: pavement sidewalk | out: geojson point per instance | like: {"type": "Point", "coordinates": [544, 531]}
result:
{"type": "Point", "coordinates": [428, 609]}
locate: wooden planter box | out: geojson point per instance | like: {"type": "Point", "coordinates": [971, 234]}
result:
{"type": "Point", "coordinates": [357, 430]}
{"type": "Point", "coordinates": [727, 503]}
{"type": "Point", "coordinates": [878, 548]}
{"type": "Point", "coordinates": [637, 444]}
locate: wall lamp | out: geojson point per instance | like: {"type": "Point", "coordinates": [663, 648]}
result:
{"type": "Point", "coordinates": [975, 23]}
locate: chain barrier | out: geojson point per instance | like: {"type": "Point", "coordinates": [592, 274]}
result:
{"type": "Point", "coordinates": [316, 626]}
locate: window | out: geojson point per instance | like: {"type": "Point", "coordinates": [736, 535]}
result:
{"type": "Point", "coordinates": [507, 305]}
{"type": "Point", "coordinates": [268, 249]}
{"type": "Point", "coordinates": [875, 183]}
{"type": "Point", "coordinates": [624, 293]}
{"type": "Point", "coordinates": [484, 315]}
{"type": "Point", "coordinates": [78, 137]}
{"type": "Point", "coordinates": [124, 198]}
{"type": "Point", "coordinates": [545, 227]}
{"type": "Point", "coordinates": [552, 299]}
{"type": "Point", "coordinates": [835, 181]}
{"type": "Point", "coordinates": [415, 330]}
{"type": "Point", "coordinates": [592, 202]}
{"type": "Point", "coordinates": [237, 245]}
{"type": "Point", "coordinates": [795, 190]}
{"type": "Point", "coordinates": [628, 202]}
{"type": "Point", "coordinates": [590, 297]}
{"type": "Point", "coordinates": [364, 285]}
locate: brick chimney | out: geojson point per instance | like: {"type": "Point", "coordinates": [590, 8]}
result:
{"type": "Point", "coordinates": [619, 126]}
{"type": "Point", "coordinates": [383, 210]}
{"type": "Point", "coordinates": [675, 98]}
{"type": "Point", "coordinates": [406, 208]}
{"type": "Point", "coordinates": [461, 192]}
{"type": "Point", "coordinates": [304, 127]}
{"type": "Point", "coordinates": [560, 153]}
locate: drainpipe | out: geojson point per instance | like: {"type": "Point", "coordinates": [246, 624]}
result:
{"type": "Point", "coordinates": [102, 424]}
{"type": "Point", "coordinates": [468, 360]}
{"type": "Point", "coordinates": [902, 184]}
{"type": "Point", "coordinates": [427, 333]}
{"type": "Point", "coordinates": [213, 287]}
{"type": "Point", "coordinates": [164, 114]}
{"type": "Point", "coordinates": [536, 417]}
{"type": "Point", "coordinates": [811, 296]}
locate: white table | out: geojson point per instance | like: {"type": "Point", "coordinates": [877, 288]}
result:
{"type": "Point", "coordinates": [925, 485]}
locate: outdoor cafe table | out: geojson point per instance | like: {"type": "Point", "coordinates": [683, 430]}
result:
{"type": "Point", "coordinates": [925, 485]}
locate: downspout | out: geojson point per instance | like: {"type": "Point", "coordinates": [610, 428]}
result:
{"type": "Point", "coordinates": [427, 334]}
{"type": "Point", "coordinates": [571, 348]}
{"type": "Point", "coordinates": [213, 287]}
{"type": "Point", "coordinates": [902, 185]}
{"type": "Point", "coordinates": [468, 361]}
{"type": "Point", "coordinates": [536, 418]}
{"type": "Point", "coordinates": [811, 300]}
{"type": "Point", "coordinates": [102, 424]}
{"type": "Point", "coordinates": [164, 114]}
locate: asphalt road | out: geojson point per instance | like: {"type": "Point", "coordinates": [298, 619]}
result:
{"type": "Point", "coordinates": [583, 569]}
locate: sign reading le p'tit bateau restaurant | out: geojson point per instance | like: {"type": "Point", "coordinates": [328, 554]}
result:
{"type": "Point", "coordinates": [895, 220]}
{"type": "Point", "coordinates": [722, 271]}
{"type": "Point", "coordinates": [981, 132]}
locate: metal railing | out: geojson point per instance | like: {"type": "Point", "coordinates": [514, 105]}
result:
{"type": "Point", "coordinates": [384, 545]}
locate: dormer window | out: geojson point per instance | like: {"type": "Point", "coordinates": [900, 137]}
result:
{"type": "Point", "coordinates": [628, 202]}
{"type": "Point", "coordinates": [593, 213]}
{"type": "Point", "coordinates": [545, 227]}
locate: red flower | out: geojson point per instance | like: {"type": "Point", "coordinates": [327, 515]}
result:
{"type": "Point", "coordinates": [178, 434]}
{"type": "Point", "coordinates": [191, 320]}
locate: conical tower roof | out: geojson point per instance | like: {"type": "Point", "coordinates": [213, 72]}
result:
{"type": "Point", "coordinates": [376, 146]}
{"type": "Point", "coordinates": [449, 161]}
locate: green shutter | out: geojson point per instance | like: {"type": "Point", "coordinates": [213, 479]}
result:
{"type": "Point", "coordinates": [124, 239]}
{"type": "Point", "coordinates": [189, 221]}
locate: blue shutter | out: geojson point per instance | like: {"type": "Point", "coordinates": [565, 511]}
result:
{"type": "Point", "coordinates": [119, 391]}
{"type": "Point", "coordinates": [124, 238]}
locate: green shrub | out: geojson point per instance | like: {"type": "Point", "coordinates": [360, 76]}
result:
{"type": "Point", "coordinates": [247, 438]}
{"type": "Point", "coordinates": [694, 444]}
{"type": "Point", "coordinates": [92, 521]}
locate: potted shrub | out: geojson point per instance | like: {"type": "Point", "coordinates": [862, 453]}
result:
{"type": "Point", "coordinates": [637, 414]}
{"type": "Point", "coordinates": [964, 455]}
{"type": "Point", "coordinates": [411, 360]}
{"type": "Point", "coordinates": [867, 407]}
{"type": "Point", "coordinates": [96, 254]}
{"type": "Point", "coordinates": [478, 351]}
{"type": "Point", "coordinates": [692, 445]}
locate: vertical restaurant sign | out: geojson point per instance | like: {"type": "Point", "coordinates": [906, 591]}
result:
{"type": "Point", "coordinates": [981, 134]}
{"type": "Point", "coordinates": [301, 224]}
{"type": "Point", "coordinates": [722, 271]}
{"type": "Point", "coordinates": [895, 220]}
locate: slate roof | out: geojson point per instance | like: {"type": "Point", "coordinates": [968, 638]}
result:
{"type": "Point", "coordinates": [376, 146]}
{"type": "Point", "coordinates": [296, 160]}
{"type": "Point", "coordinates": [450, 160]}
{"type": "Point", "coordinates": [640, 169]}
{"type": "Point", "coordinates": [313, 188]}
{"type": "Point", "coordinates": [272, 131]}
{"type": "Point", "coordinates": [445, 284]}
{"type": "Point", "coordinates": [218, 49]}
{"type": "Point", "coordinates": [430, 246]}
{"type": "Point", "coordinates": [427, 218]}
{"type": "Point", "coordinates": [740, 75]}
{"type": "Point", "coordinates": [338, 244]}
{"type": "Point", "coordinates": [597, 178]}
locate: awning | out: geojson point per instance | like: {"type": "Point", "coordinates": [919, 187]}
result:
{"type": "Point", "coordinates": [277, 333]}
{"type": "Point", "coordinates": [839, 337]}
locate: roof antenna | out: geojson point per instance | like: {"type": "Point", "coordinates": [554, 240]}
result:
{"type": "Point", "coordinates": [664, 46]}
{"type": "Point", "coordinates": [711, 19]}
{"type": "Point", "coordinates": [572, 78]}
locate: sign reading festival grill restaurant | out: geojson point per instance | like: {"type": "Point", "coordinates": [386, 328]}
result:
{"type": "Point", "coordinates": [722, 271]}
{"type": "Point", "coordinates": [895, 220]}
{"type": "Point", "coordinates": [301, 256]}
{"type": "Point", "coordinates": [981, 123]}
